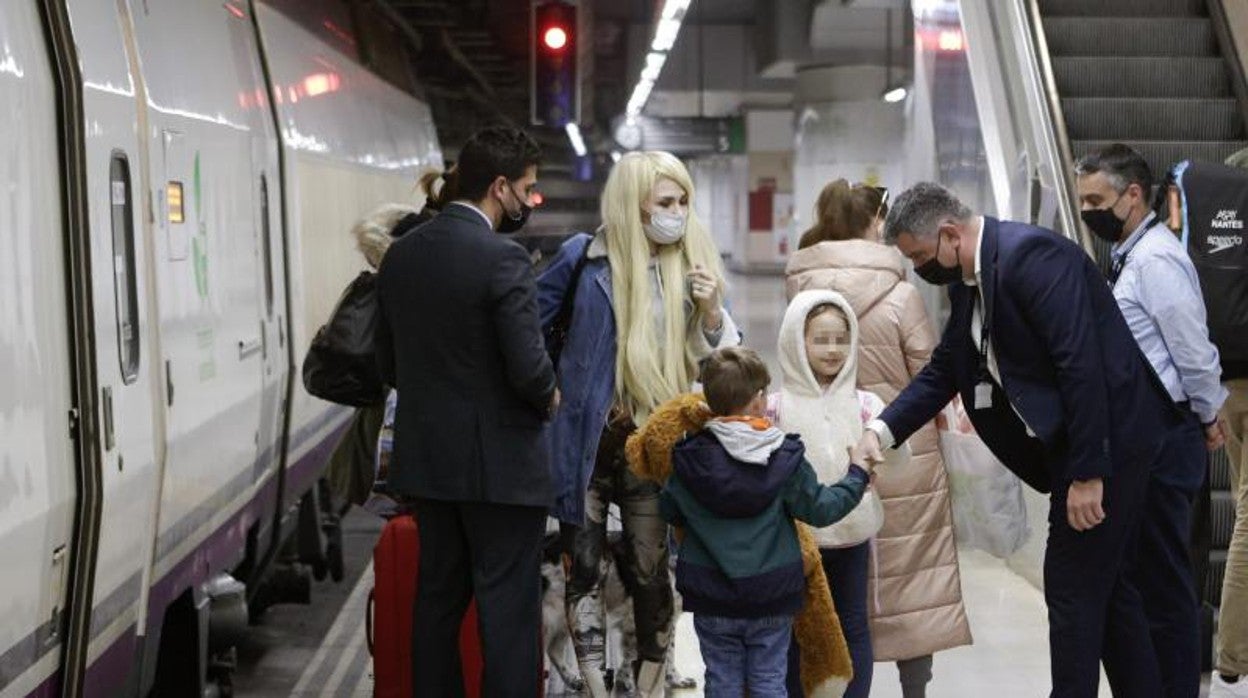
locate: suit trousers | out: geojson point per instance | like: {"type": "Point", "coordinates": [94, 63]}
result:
{"type": "Point", "coordinates": [1095, 610]}
{"type": "Point", "coordinates": [492, 552]}
{"type": "Point", "coordinates": [1165, 577]}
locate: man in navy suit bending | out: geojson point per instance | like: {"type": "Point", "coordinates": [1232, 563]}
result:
{"type": "Point", "coordinates": [1058, 389]}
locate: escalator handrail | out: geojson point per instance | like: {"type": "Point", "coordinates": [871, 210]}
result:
{"type": "Point", "coordinates": [1067, 205]}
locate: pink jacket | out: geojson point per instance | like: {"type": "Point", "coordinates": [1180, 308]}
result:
{"type": "Point", "coordinates": [915, 590]}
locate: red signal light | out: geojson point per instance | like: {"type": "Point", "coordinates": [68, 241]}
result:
{"type": "Point", "coordinates": [537, 198]}
{"type": "Point", "coordinates": [555, 38]}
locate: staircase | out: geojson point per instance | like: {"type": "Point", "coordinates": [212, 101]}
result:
{"type": "Point", "coordinates": [1151, 74]}
{"type": "Point", "coordinates": [1148, 73]}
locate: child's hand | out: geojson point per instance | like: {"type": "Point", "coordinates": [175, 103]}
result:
{"type": "Point", "coordinates": [858, 456]}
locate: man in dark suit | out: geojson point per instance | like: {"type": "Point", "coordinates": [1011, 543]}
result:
{"type": "Point", "coordinates": [460, 339]}
{"type": "Point", "coordinates": [1058, 390]}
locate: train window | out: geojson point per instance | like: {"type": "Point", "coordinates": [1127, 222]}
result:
{"type": "Point", "coordinates": [125, 285]}
{"type": "Point", "coordinates": [267, 246]}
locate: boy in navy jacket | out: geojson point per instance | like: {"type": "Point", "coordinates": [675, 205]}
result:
{"type": "Point", "coordinates": [735, 489]}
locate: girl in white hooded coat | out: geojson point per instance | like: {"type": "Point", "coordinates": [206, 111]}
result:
{"type": "Point", "coordinates": [818, 350]}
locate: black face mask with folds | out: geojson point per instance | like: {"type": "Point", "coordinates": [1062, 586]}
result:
{"type": "Point", "coordinates": [1104, 223]}
{"type": "Point", "coordinates": [937, 274]}
{"type": "Point", "coordinates": [510, 222]}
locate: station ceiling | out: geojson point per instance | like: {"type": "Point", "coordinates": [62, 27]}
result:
{"type": "Point", "coordinates": [472, 59]}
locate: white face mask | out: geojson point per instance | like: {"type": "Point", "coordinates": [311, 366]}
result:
{"type": "Point", "coordinates": [665, 228]}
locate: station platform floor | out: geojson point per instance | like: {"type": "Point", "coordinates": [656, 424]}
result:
{"type": "Point", "coordinates": [1009, 657]}
{"type": "Point", "coordinates": [321, 651]}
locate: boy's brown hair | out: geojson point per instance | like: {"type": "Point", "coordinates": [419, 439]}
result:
{"type": "Point", "coordinates": [731, 377]}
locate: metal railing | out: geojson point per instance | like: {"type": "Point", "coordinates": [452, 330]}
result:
{"type": "Point", "coordinates": [1021, 115]}
{"type": "Point", "coordinates": [1056, 136]}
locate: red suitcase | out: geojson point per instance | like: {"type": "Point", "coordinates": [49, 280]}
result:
{"type": "Point", "coordinates": [396, 562]}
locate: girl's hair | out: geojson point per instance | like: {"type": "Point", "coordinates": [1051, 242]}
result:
{"type": "Point", "coordinates": [648, 372]}
{"type": "Point", "coordinates": [873, 200]}
{"type": "Point", "coordinates": [824, 309]}
{"type": "Point", "coordinates": [842, 212]}
{"type": "Point", "coordinates": [437, 197]}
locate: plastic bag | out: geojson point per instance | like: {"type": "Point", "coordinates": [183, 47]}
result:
{"type": "Point", "coordinates": [989, 511]}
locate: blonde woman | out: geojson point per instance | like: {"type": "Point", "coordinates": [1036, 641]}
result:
{"type": "Point", "coordinates": [646, 306]}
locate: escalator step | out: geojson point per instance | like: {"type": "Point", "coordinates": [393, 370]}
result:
{"type": "Point", "coordinates": [1103, 76]}
{"type": "Point", "coordinates": [1089, 36]}
{"type": "Point", "coordinates": [1162, 154]}
{"type": "Point", "coordinates": [1222, 514]}
{"type": "Point", "coordinates": [1091, 118]}
{"type": "Point", "coordinates": [1221, 470]}
{"type": "Point", "coordinates": [1123, 8]}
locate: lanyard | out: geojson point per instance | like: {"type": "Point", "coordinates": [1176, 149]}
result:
{"type": "Point", "coordinates": [1120, 260]}
{"type": "Point", "coordinates": [985, 322]}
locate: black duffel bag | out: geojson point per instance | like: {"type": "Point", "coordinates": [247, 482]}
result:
{"type": "Point", "coordinates": [341, 364]}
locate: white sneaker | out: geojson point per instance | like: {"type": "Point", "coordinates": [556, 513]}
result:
{"type": "Point", "coordinates": [1220, 688]}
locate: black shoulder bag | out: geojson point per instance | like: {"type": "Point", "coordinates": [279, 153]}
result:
{"type": "Point", "coordinates": [557, 333]}
{"type": "Point", "coordinates": [341, 363]}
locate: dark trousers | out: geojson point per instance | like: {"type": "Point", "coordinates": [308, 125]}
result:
{"type": "Point", "coordinates": [1165, 576]}
{"type": "Point", "coordinates": [1095, 610]}
{"type": "Point", "coordinates": [846, 569]}
{"type": "Point", "coordinates": [492, 552]}
{"type": "Point", "coordinates": [643, 562]}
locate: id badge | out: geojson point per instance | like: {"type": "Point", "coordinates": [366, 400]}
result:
{"type": "Point", "coordinates": [983, 396]}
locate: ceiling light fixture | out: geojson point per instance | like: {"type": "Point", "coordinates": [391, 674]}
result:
{"type": "Point", "coordinates": [665, 33]}
{"type": "Point", "coordinates": [893, 92]}
{"type": "Point", "coordinates": [574, 137]}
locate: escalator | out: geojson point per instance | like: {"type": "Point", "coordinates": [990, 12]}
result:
{"type": "Point", "coordinates": [1059, 78]}
{"type": "Point", "coordinates": [1151, 74]}
{"type": "Point", "coordinates": [1148, 73]}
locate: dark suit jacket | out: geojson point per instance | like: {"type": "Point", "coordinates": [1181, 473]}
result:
{"type": "Point", "coordinates": [1068, 364]}
{"type": "Point", "coordinates": [459, 337]}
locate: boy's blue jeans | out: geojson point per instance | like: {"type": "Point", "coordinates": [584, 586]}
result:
{"type": "Point", "coordinates": [741, 652]}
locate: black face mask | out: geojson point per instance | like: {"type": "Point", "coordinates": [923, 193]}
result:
{"type": "Point", "coordinates": [937, 274]}
{"type": "Point", "coordinates": [1104, 223]}
{"type": "Point", "coordinates": [510, 223]}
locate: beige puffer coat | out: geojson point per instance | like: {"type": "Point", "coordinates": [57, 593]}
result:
{"type": "Point", "coordinates": [915, 593]}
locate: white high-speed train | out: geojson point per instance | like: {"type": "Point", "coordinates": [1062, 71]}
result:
{"type": "Point", "coordinates": [177, 182]}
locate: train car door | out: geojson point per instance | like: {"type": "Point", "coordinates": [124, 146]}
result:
{"type": "Point", "coordinates": [37, 453]}
{"type": "Point", "coordinates": [208, 279]}
{"type": "Point", "coordinates": [125, 363]}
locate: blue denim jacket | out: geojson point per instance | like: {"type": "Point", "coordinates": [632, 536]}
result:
{"type": "Point", "coordinates": [586, 372]}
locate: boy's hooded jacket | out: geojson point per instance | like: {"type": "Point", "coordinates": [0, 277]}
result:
{"type": "Point", "coordinates": [831, 420]}
{"type": "Point", "coordinates": [824, 665]}
{"type": "Point", "coordinates": [735, 489]}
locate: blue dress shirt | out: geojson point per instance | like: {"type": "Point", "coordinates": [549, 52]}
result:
{"type": "Point", "coordinates": [1159, 294]}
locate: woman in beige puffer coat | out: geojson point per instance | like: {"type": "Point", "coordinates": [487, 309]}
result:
{"type": "Point", "coordinates": [914, 593]}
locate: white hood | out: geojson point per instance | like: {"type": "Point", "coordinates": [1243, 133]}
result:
{"type": "Point", "coordinates": [829, 421]}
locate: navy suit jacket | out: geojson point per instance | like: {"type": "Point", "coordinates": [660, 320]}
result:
{"type": "Point", "coordinates": [460, 338]}
{"type": "Point", "coordinates": [1068, 364]}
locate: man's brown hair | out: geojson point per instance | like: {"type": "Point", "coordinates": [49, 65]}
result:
{"type": "Point", "coordinates": [731, 377]}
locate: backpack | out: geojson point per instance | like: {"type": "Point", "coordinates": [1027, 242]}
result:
{"type": "Point", "coordinates": [341, 364]}
{"type": "Point", "coordinates": [1212, 208]}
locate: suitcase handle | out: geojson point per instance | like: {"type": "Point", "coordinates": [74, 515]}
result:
{"type": "Point", "coordinates": [368, 621]}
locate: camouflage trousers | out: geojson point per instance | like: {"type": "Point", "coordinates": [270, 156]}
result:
{"type": "Point", "coordinates": [641, 557]}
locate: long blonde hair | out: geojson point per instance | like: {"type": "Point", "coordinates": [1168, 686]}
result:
{"type": "Point", "coordinates": [647, 373]}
